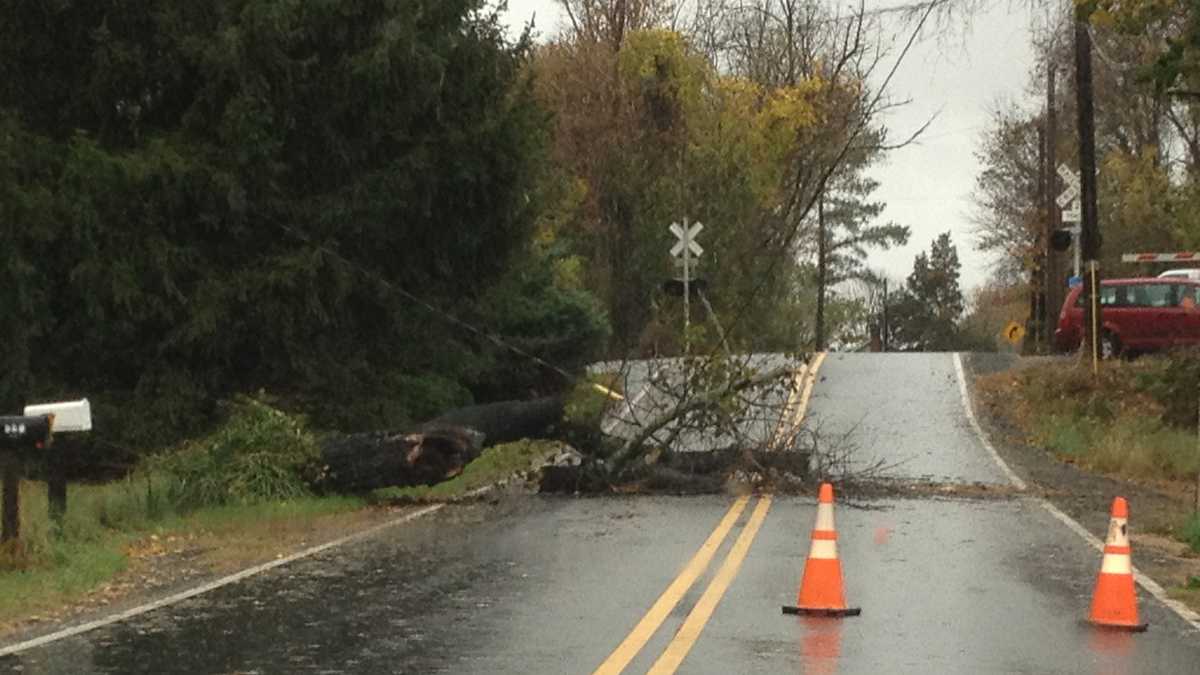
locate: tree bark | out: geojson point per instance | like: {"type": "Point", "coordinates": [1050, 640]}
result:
{"type": "Point", "coordinates": [437, 450]}
{"type": "Point", "coordinates": [362, 462]}
{"type": "Point", "coordinates": [506, 421]}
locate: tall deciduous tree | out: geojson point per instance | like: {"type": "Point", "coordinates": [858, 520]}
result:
{"type": "Point", "coordinates": [1007, 216]}
{"type": "Point", "coordinates": [702, 122]}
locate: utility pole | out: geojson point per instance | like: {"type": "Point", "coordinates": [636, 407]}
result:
{"type": "Point", "coordinates": [1038, 313]}
{"type": "Point", "coordinates": [886, 329]}
{"type": "Point", "coordinates": [821, 274]}
{"type": "Point", "coordinates": [1089, 236]}
{"type": "Point", "coordinates": [1052, 271]}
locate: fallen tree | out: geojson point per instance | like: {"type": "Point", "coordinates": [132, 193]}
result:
{"type": "Point", "coordinates": [437, 450]}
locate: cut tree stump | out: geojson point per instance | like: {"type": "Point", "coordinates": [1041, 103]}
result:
{"type": "Point", "coordinates": [377, 459]}
{"type": "Point", "coordinates": [436, 450]}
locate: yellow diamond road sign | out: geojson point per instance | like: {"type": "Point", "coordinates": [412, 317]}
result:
{"type": "Point", "coordinates": [1014, 332]}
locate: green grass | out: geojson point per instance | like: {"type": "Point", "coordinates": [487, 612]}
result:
{"type": "Point", "coordinates": [1114, 423]}
{"type": "Point", "coordinates": [237, 495]}
{"type": "Point", "coordinates": [49, 569]}
{"type": "Point", "coordinates": [1120, 423]}
{"type": "Point", "coordinates": [243, 479]}
{"type": "Point", "coordinates": [1064, 435]}
{"type": "Point", "coordinates": [1128, 445]}
{"type": "Point", "coordinates": [218, 519]}
{"type": "Point", "coordinates": [80, 569]}
{"type": "Point", "coordinates": [1191, 535]}
{"type": "Point", "coordinates": [495, 464]}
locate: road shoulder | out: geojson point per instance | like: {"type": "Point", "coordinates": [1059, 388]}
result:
{"type": "Point", "coordinates": [1083, 495]}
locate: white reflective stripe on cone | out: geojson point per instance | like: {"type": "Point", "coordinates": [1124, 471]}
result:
{"type": "Point", "coordinates": [823, 549]}
{"type": "Point", "coordinates": [1116, 563]}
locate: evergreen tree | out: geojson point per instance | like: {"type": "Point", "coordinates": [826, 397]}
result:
{"type": "Point", "coordinates": [925, 317]}
{"type": "Point", "coordinates": [845, 230]}
{"type": "Point", "coordinates": [203, 198]}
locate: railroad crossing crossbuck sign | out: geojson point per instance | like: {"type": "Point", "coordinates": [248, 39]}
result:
{"type": "Point", "coordinates": [687, 241]}
{"type": "Point", "coordinates": [1014, 332]}
{"type": "Point", "coordinates": [1068, 201]}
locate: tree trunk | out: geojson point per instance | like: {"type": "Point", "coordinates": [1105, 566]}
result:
{"type": "Point", "coordinates": [506, 421]}
{"type": "Point", "coordinates": [362, 462]}
{"type": "Point", "coordinates": [437, 450]}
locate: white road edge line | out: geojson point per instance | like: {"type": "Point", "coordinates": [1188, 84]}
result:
{"type": "Point", "coordinates": [1152, 587]}
{"type": "Point", "coordinates": [966, 399]}
{"type": "Point", "coordinates": [212, 585]}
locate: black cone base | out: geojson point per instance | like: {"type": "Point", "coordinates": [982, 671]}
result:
{"type": "Point", "coordinates": [808, 611]}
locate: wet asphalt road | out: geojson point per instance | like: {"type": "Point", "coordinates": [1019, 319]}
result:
{"type": "Point", "coordinates": [553, 585]}
{"type": "Point", "coordinates": [903, 412]}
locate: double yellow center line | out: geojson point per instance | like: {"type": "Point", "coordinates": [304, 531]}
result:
{"type": "Point", "coordinates": [672, 657]}
{"type": "Point", "coordinates": [702, 612]}
{"type": "Point", "coordinates": [797, 402]}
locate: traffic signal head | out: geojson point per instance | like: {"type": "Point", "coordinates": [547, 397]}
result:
{"type": "Point", "coordinates": [675, 287]}
{"type": "Point", "coordinates": [1060, 240]}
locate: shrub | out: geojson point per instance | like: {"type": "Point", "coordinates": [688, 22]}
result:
{"type": "Point", "coordinates": [1173, 379]}
{"type": "Point", "coordinates": [259, 454]}
{"type": "Point", "coordinates": [1063, 435]}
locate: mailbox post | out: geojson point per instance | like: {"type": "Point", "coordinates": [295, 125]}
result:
{"type": "Point", "coordinates": [19, 436]}
{"type": "Point", "coordinates": [23, 436]}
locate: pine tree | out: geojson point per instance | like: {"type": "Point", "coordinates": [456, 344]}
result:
{"type": "Point", "coordinates": [198, 199]}
{"type": "Point", "coordinates": [925, 317]}
{"type": "Point", "coordinates": [845, 231]}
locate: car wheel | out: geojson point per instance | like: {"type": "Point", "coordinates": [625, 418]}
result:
{"type": "Point", "coordinates": [1110, 346]}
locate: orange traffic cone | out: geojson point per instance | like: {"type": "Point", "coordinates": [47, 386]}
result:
{"type": "Point", "coordinates": [821, 591]}
{"type": "Point", "coordinates": [1114, 604]}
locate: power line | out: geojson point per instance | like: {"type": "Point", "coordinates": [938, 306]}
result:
{"type": "Point", "coordinates": [434, 309]}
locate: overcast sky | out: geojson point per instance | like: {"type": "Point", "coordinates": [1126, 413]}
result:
{"type": "Point", "coordinates": [926, 186]}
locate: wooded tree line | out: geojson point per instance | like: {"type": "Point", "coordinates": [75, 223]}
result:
{"type": "Point", "coordinates": [753, 118]}
{"type": "Point", "coordinates": [1146, 76]}
{"type": "Point", "coordinates": [377, 209]}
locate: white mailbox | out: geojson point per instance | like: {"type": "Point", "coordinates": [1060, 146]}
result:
{"type": "Point", "coordinates": [68, 416]}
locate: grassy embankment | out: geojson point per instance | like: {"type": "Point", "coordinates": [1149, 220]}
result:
{"type": "Point", "coordinates": [112, 528]}
{"type": "Point", "coordinates": [239, 496]}
{"type": "Point", "coordinates": [1136, 421]}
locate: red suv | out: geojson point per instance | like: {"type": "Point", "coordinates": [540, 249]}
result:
{"type": "Point", "coordinates": [1139, 315]}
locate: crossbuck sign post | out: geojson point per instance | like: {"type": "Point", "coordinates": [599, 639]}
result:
{"type": "Point", "coordinates": [1068, 201]}
{"type": "Point", "coordinates": [684, 250]}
